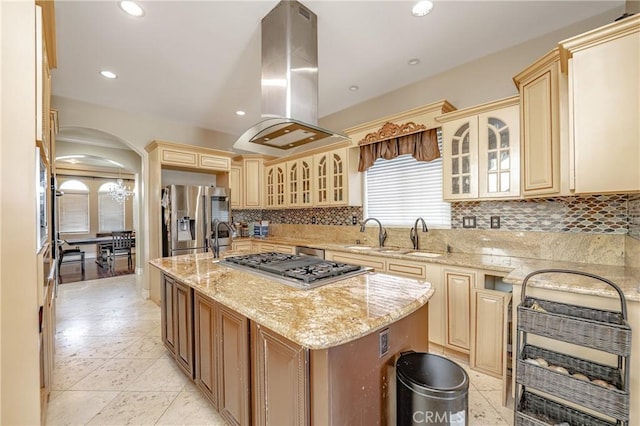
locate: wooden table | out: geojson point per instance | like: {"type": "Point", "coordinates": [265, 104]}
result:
{"type": "Point", "coordinates": [105, 241]}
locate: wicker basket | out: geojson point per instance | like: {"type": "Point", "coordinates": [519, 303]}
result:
{"type": "Point", "coordinates": [534, 410]}
{"type": "Point", "coordinates": [603, 330]}
{"type": "Point", "coordinates": [610, 402]}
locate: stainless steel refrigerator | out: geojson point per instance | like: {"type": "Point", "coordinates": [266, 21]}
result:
{"type": "Point", "coordinates": [188, 213]}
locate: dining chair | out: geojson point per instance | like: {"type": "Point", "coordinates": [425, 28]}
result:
{"type": "Point", "coordinates": [69, 255]}
{"type": "Point", "coordinates": [122, 242]}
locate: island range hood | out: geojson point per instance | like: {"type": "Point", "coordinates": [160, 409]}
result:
{"type": "Point", "coordinates": [289, 85]}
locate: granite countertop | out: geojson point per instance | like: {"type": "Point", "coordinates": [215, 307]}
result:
{"type": "Point", "coordinates": [515, 268]}
{"type": "Point", "coordinates": [319, 318]}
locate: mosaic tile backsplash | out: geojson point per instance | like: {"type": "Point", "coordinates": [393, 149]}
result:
{"type": "Point", "coordinates": [634, 216]}
{"type": "Point", "coordinates": [596, 214]}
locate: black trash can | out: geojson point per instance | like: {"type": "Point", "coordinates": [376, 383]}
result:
{"type": "Point", "coordinates": [430, 390]}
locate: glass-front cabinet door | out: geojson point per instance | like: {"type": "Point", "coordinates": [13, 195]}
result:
{"type": "Point", "coordinates": [321, 179]}
{"type": "Point", "coordinates": [331, 178]}
{"type": "Point", "coordinates": [337, 177]}
{"type": "Point", "coordinates": [499, 152]}
{"type": "Point", "coordinates": [299, 183]}
{"type": "Point", "coordinates": [275, 186]}
{"type": "Point", "coordinates": [460, 158]}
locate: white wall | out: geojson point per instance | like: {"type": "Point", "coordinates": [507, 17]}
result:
{"type": "Point", "coordinates": [483, 80]}
{"type": "Point", "coordinates": [19, 353]}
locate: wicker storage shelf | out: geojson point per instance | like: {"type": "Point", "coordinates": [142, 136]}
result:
{"type": "Point", "coordinates": [603, 330]}
{"type": "Point", "coordinates": [608, 401]}
{"type": "Point", "coordinates": [600, 330]}
{"type": "Point", "coordinates": [535, 410]}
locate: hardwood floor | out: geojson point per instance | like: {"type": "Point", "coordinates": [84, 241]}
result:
{"type": "Point", "coordinates": [72, 272]}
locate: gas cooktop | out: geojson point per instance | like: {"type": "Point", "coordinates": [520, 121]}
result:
{"type": "Point", "coordinates": [304, 272]}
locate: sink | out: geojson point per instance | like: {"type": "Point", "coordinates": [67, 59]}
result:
{"type": "Point", "coordinates": [391, 250]}
{"type": "Point", "coordinates": [358, 248]}
{"type": "Point", "coordinates": [423, 254]}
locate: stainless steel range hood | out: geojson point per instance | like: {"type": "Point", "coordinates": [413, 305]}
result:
{"type": "Point", "coordinates": [289, 85]}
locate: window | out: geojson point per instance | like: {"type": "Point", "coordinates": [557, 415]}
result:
{"type": "Point", "coordinates": [400, 190]}
{"type": "Point", "coordinates": [73, 207]}
{"type": "Point", "coordinates": [110, 212]}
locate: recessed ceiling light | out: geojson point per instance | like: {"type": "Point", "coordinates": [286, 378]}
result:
{"type": "Point", "coordinates": [132, 8]}
{"type": "Point", "coordinates": [422, 8]}
{"type": "Point", "coordinates": [414, 61]}
{"type": "Point", "coordinates": [354, 88]}
{"type": "Point", "coordinates": [108, 74]}
{"type": "Point", "coordinates": [239, 112]}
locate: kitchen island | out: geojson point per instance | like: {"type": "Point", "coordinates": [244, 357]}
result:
{"type": "Point", "coordinates": [263, 352]}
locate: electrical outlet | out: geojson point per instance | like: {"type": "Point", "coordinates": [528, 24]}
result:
{"type": "Point", "coordinates": [495, 222]}
{"type": "Point", "coordinates": [313, 219]}
{"type": "Point", "coordinates": [384, 342]}
{"type": "Point", "coordinates": [468, 221]}
{"type": "Point", "coordinates": [354, 220]}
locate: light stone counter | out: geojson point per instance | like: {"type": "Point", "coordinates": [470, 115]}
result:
{"type": "Point", "coordinates": [517, 268]}
{"type": "Point", "coordinates": [319, 318]}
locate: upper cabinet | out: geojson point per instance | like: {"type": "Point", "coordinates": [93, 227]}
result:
{"type": "Point", "coordinates": [544, 131]}
{"type": "Point", "coordinates": [579, 112]}
{"type": "Point", "coordinates": [235, 183]}
{"type": "Point", "coordinates": [481, 151]}
{"type": "Point", "coordinates": [603, 68]}
{"type": "Point", "coordinates": [300, 182]}
{"type": "Point", "coordinates": [315, 178]}
{"type": "Point", "coordinates": [275, 185]}
{"type": "Point", "coordinates": [247, 181]}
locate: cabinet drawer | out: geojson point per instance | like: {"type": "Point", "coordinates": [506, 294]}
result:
{"type": "Point", "coordinates": [241, 246]}
{"type": "Point", "coordinates": [180, 158]}
{"type": "Point", "coordinates": [277, 248]}
{"type": "Point", "coordinates": [214, 162]}
{"type": "Point", "coordinates": [377, 264]}
{"type": "Point", "coordinates": [413, 270]}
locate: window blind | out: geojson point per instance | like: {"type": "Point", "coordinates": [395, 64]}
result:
{"type": "Point", "coordinates": [73, 212]}
{"type": "Point", "coordinates": [400, 190]}
{"type": "Point", "coordinates": [110, 213]}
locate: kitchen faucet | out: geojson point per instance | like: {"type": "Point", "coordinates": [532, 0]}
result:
{"type": "Point", "coordinates": [382, 233]}
{"type": "Point", "coordinates": [216, 229]}
{"type": "Point", "coordinates": [413, 234]}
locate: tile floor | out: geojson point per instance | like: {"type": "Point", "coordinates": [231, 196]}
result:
{"type": "Point", "coordinates": [111, 367]}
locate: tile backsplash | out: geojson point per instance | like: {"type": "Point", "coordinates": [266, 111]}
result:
{"type": "Point", "coordinates": [595, 214]}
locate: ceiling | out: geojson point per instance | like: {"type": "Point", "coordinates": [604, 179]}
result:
{"type": "Point", "coordinates": [197, 62]}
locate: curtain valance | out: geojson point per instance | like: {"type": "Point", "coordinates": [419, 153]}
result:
{"type": "Point", "coordinates": [393, 140]}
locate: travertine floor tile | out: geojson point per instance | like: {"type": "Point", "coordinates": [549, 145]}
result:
{"type": "Point", "coordinates": [69, 371]}
{"type": "Point", "coordinates": [495, 399]}
{"type": "Point", "coordinates": [191, 408]}
{"type": "Point", "coordinates": [134, 408]}
{"type": "Point", "coordinates": [77, 407]}
{"type": "Point", "coordinates": [162, 375]}
{"type": "Point", "coordinates": [481, 412]}
{"type": "Point", "coordinates": [115, 374]}
{"type": "Point", "coordinates": [146, 347]}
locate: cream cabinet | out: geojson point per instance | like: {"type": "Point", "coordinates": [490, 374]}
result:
{"type": "Point", "coordinates": [261, 246]}
{"type": "Point", "coordinates": [481, 151]}
{"type": "Point", "coordinates": [275, 185]}
{"type": "Point", "coordinates": [235, 183]}
{"type": "Point", "coordinates": [241, 245]}
{"type": "Point", "coordinates": [603, 68]}
{"type": "Point", "coordinates": [253, 182]}
{"type": "Point", "coordinates": [330, 177]}
{"type": "Point", "coordinates": [544, 131]}
{"type": "Point", "coordinates": [299, 182]}
{"type": "Point", "coordinates": [489, 308]}
{"type": "Point", "coordinates": [457, 286]}
{"type": "Point", "coordinates": [190, 157]}
{"type": "Point", "coordinates": [378, 264]}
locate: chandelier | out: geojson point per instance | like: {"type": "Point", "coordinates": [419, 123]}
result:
{"type": "Point", "coordinates": [120, 192]}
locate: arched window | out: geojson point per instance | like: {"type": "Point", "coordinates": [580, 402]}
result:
{"type": "Point", "coordinates": [73, 207]}
{"type": "Point", "coordinates": [110, 212]}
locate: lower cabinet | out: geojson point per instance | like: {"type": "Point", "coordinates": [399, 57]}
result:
{"type": "Point", "coordinates": [490, 309]}
{"type": "Point", "coordinates": [280, 379]}
{"type": "Point", "coordinates": [177, 322]}
{"type": "Point", "coordinates": [222, 358]}
{"type": "Point", "coordinates": [206, 347]}
{"type": "Point", "coordinates": [458, 285]}
{"type": "Point", "coordinates": [233, 366]}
